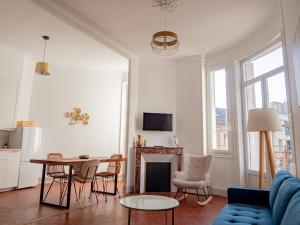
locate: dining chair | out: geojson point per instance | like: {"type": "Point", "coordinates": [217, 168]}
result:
{"type": "Point", "coordinates": [195, 176]}
{"type": "Point", "coordinates": [85, 175]}
{"type": "Point", "coordinates": [58, 175]}
{"type": "Point", "coordinates": [113, 169]}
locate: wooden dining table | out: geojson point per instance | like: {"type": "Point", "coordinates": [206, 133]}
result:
{"type": "Point", "coordinates": [70, 162]}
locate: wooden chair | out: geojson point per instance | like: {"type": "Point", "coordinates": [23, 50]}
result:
{"type": "Point", "coordinates": [113, 169]}
{"type": "Point", "coordinates": [57, 173]}
{"type": "Point", "coordinates": [85, 175]}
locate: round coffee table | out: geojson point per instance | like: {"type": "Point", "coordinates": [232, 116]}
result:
{"type": "Point", "coordinates": [150, 203]}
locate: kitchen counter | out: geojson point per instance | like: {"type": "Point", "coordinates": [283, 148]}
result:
{"type": "Point", "coordinates": [9, 149]}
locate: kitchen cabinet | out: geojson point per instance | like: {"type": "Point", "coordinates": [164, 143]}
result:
{"type": "Point", "coordinates": [9, 168]}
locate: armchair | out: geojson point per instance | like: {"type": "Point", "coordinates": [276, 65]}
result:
{"type": "Point", "coordinates": [196, 176]}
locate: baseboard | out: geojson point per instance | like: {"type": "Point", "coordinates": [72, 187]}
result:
{"type": "Point", "coordinates": [219, 191]}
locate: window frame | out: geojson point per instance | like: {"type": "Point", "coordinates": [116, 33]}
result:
{"type": "Point", "coordinates": [271, 46]}
{"type": "Point", "coordinates": [229, 97]}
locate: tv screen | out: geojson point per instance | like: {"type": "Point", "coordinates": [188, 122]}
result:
{"type": "Point", "coordinates": [158, 121]}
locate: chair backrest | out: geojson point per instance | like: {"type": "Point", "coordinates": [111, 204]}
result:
{"type": "Point", "coordinates": [55, 169]}
{"type": "Point", "coordinates": [88, 170]}
{"type": "Point", "coordinates": [197, 168]}
{"type": "Point", "coordinates": [114, 167]}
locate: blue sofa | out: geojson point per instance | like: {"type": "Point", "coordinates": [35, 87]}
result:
{"type": "Point", "coordinates": [278, 206]}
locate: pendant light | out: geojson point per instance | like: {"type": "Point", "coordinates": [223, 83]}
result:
{"type": "Point", "coordinates": [42, 68]}
{"type": "Point", "coordinates": [165, 43]}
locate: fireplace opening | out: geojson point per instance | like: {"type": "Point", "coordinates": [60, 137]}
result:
{"type": "Point", "coordinates": [158, 177]}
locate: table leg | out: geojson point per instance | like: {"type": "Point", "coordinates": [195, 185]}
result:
{"type": "Point", "coordinates": [42, 184]}
{"type": "Point", "coordinates": [129, 215]}
{"type": "Point", "coordinates": [166, 214]}
{"type": "Point", "coordinates": [69, 187]}
{"type": "Point", "coordinates": [116, 184]}
{"type": "Point", "coordinates": [172, 216]}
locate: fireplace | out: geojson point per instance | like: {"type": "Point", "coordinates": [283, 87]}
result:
{"type": "Point", "coordinates": [158, 177]}
{"type": "Point", "coordinates": [145, 155]}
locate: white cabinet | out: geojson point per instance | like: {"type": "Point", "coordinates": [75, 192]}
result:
{"type": "Point", "coordinates": [8, 101]}
{"type": "Point", "coordinates": [9, 168]}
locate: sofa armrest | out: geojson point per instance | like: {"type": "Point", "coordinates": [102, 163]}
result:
{"type": "Point", "coordinates": [248, 196]}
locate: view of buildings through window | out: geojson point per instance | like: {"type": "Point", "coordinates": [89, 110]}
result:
{"type": "Point", "coordinates": [219, 111]}
{"type": "Point", "coordinates": [264, 86]}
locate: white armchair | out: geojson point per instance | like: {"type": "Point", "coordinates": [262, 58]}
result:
{"type": "Point", "coordinates": [195, 175]}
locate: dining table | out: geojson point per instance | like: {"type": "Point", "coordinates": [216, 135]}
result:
{"type": "Point", "coordinates": [71, 162]}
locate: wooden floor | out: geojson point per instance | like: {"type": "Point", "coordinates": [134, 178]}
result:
{"type": "Point", "coordinates": [22, 207]}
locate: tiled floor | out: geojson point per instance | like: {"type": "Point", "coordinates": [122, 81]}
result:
{"type": "Point", "coordinates": [22, 207]}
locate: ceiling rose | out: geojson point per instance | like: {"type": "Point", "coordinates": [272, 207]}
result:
{"type": "Point", "coordinates": [165, 5]}
{"type": "Point", "coordinates": [165, 43]}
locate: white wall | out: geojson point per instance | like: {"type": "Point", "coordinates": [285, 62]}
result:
{"type": "Point", "coordinates": [25, 89]}
{"type": "Point", "coordinates": [19, 69]}
{"type": "Point", "coordinates": [96, 93]}
{"type": "Point", "coordinates": [189, 105]}
{"type": "Point", "coordinates": [157, 94]}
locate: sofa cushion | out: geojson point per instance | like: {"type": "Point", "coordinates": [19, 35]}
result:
{"type": "Point", "coordinates": [291, 216]}
{"type": "Point", "coordinates": [277, 181]}
{"type": "Point", "coordinates": [286, 191]}
{"type": "Point", "coordinates": [243, 214]}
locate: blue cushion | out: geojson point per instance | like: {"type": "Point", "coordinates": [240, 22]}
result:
{"type": "Point", "coordinates": [243, 214]}
{"type": "Point", "coordinates": [286, 191]}
{"type": "Point", "coordinates": [291, 216]}
{"type": "Point", "coordinates": [277, 181]}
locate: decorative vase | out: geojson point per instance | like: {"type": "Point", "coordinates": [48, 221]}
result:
{"type": "Point", "coordinates": [139, 141]}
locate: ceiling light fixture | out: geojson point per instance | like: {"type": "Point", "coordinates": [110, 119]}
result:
{"type": "Point", "coordinates": [165, 43]}
{"type": "Point", "coordinates": [42, 68]}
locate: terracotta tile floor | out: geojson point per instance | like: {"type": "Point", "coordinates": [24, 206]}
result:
{"type": "Point", "coordinates": [22, 207]}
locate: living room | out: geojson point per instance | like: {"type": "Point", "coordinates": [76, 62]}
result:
{"type": "Point", "coordinates": [155, 82]}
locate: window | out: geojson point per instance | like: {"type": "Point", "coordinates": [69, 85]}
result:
{"type": "Point", "coordinates": [219, 110]}
{"type": "Point", "coordinates": [264, 87]}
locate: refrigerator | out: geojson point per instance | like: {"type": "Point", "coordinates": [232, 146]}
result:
{"type": "Point", "coordinates": [28, 139]}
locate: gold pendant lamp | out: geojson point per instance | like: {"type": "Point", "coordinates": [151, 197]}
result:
{"type": "Point", "coordinates": [165, 43]}
{"type": "Point", "coordinates": [42, 68]}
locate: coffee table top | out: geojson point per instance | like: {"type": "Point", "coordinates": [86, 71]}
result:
{"type": "Point", "coordinates": [149, 202]}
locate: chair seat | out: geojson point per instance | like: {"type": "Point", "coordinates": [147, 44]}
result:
{"type": "Point", "coordinates": [243, 214]}
{"type": "Point", "coordinates": [58, 175]}
{"type": "Point", "coordinates": [189, 184]}
{"type": "Point", "coordinates": [81, 180]}
{"type": "Point", "coordinates": [105, 174]}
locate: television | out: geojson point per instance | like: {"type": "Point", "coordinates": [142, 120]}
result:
{"type": "Point", "coordinates": [158, 121]}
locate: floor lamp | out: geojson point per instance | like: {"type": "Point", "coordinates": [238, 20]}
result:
{"type": "Point", "coordinates": [264, 121]}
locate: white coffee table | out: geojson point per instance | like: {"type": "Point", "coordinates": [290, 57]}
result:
{"type": "Point", "coordinates": [150, 203]}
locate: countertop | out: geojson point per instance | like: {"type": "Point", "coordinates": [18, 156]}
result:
{"type": "Point", "coordinates": [9, 149]}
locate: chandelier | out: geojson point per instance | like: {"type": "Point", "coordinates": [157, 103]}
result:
{"type": "Point", "coordinates": [165, 43]}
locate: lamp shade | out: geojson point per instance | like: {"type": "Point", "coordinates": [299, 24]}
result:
{"type": "Point", "coordinates": [42, 68]}
{"type": "Point", "coordinates": [266, 119]}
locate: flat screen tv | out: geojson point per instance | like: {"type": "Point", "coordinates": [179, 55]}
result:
{"type": "Point", "coordinates": [158, 121]}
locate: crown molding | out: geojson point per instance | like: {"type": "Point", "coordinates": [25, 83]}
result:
{"type": "Point", "coordinates": [69, 15]}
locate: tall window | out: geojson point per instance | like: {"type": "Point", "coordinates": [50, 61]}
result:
{"type": "Point", "coordinates": [219, 110]}
{"type": "Point", "coordinates": [264, 87]}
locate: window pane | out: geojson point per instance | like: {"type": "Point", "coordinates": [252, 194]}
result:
{"type": "Point", "coordinates": [281, 140]}
{"type": "Point", "coordinates": [264, 64]}
{"type": "Point", "coordinates": [253, 100]}
{"type": "Point", "coordinates": [219, 111]}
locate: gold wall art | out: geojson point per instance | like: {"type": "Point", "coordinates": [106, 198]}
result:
{"type": "Point", "coordinates": [76, 117]}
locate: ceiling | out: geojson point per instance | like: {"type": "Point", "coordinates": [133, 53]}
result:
{"type": "Point", "coordinates": [22, 23]}
{"type": "Point", "coordinates": [202, 25]}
